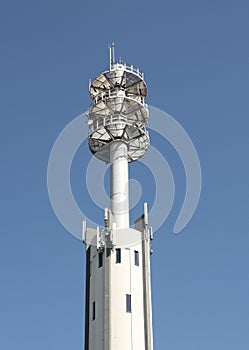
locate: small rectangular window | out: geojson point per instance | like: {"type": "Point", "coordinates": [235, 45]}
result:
{"type": "Point", "coordinates": [108, 252]}
{"type": "Point", "coordinates": [118, 256]}
{"type": "Point", "coordinates": [128, 303]}
{"type": "Point", "coordinates": [94, 311]}
{"type": "Point", "coordinates": [136, 257]}
{"type": "Point", "coordinates": [100, 259]}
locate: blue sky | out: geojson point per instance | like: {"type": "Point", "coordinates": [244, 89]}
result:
{"type": "Point", "coordinates": [195, 56]}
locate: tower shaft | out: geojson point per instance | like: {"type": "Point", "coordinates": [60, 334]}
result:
{"type": "Point", "coordinates": [118, 295]}
{"type": "Point", "coordinates": [119, 184]}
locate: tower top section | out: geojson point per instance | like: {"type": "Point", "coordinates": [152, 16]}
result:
{"type": "Point", "coordinates": [118, 111]}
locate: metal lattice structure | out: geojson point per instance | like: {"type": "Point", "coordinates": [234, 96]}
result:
{"type": "Point", "coordinates": [118, 111]}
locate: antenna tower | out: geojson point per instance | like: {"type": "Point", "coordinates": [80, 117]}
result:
{"type": "Point", "coordinates": [118, 289]}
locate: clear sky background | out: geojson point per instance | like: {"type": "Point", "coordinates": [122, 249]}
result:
{"type": "Point", "coordinates": [195, 55]}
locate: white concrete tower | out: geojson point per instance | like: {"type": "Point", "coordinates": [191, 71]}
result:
{"type": "Point", "coordinates": [118, 290]}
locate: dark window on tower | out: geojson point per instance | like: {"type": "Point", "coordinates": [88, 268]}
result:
{"type": "Point", "coordinates": [108, 252]}
{"type": "Point", "coordinates": [136, 257]}
{"type": "Point", "coordinates": [118, 256]}
{"type": "Point", "coordinates": [94, 311]}
{"type": "Point", "coordinates": [100, 259]}
{"type": "Point", "coordinates": [128, 303]}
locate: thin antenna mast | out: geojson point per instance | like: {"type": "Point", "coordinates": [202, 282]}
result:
{"type": "Point", "coordinates": [112, 54]}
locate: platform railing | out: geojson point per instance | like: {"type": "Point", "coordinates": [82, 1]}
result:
{"type": "Point", "coordinates": [103, 122]}
{"type": "Point", "coordinates": [109, 94]}
{"type": "Point", "coordinates": [128, 68]}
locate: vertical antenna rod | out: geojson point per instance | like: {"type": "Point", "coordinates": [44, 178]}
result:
{"type": "Point", "coordinates": [112, 54]}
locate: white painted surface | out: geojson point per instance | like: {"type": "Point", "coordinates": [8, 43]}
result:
{"type": "Point", "coordinates": [119, 184]}
{"type": "Point", "coordinates": [127, 330]}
